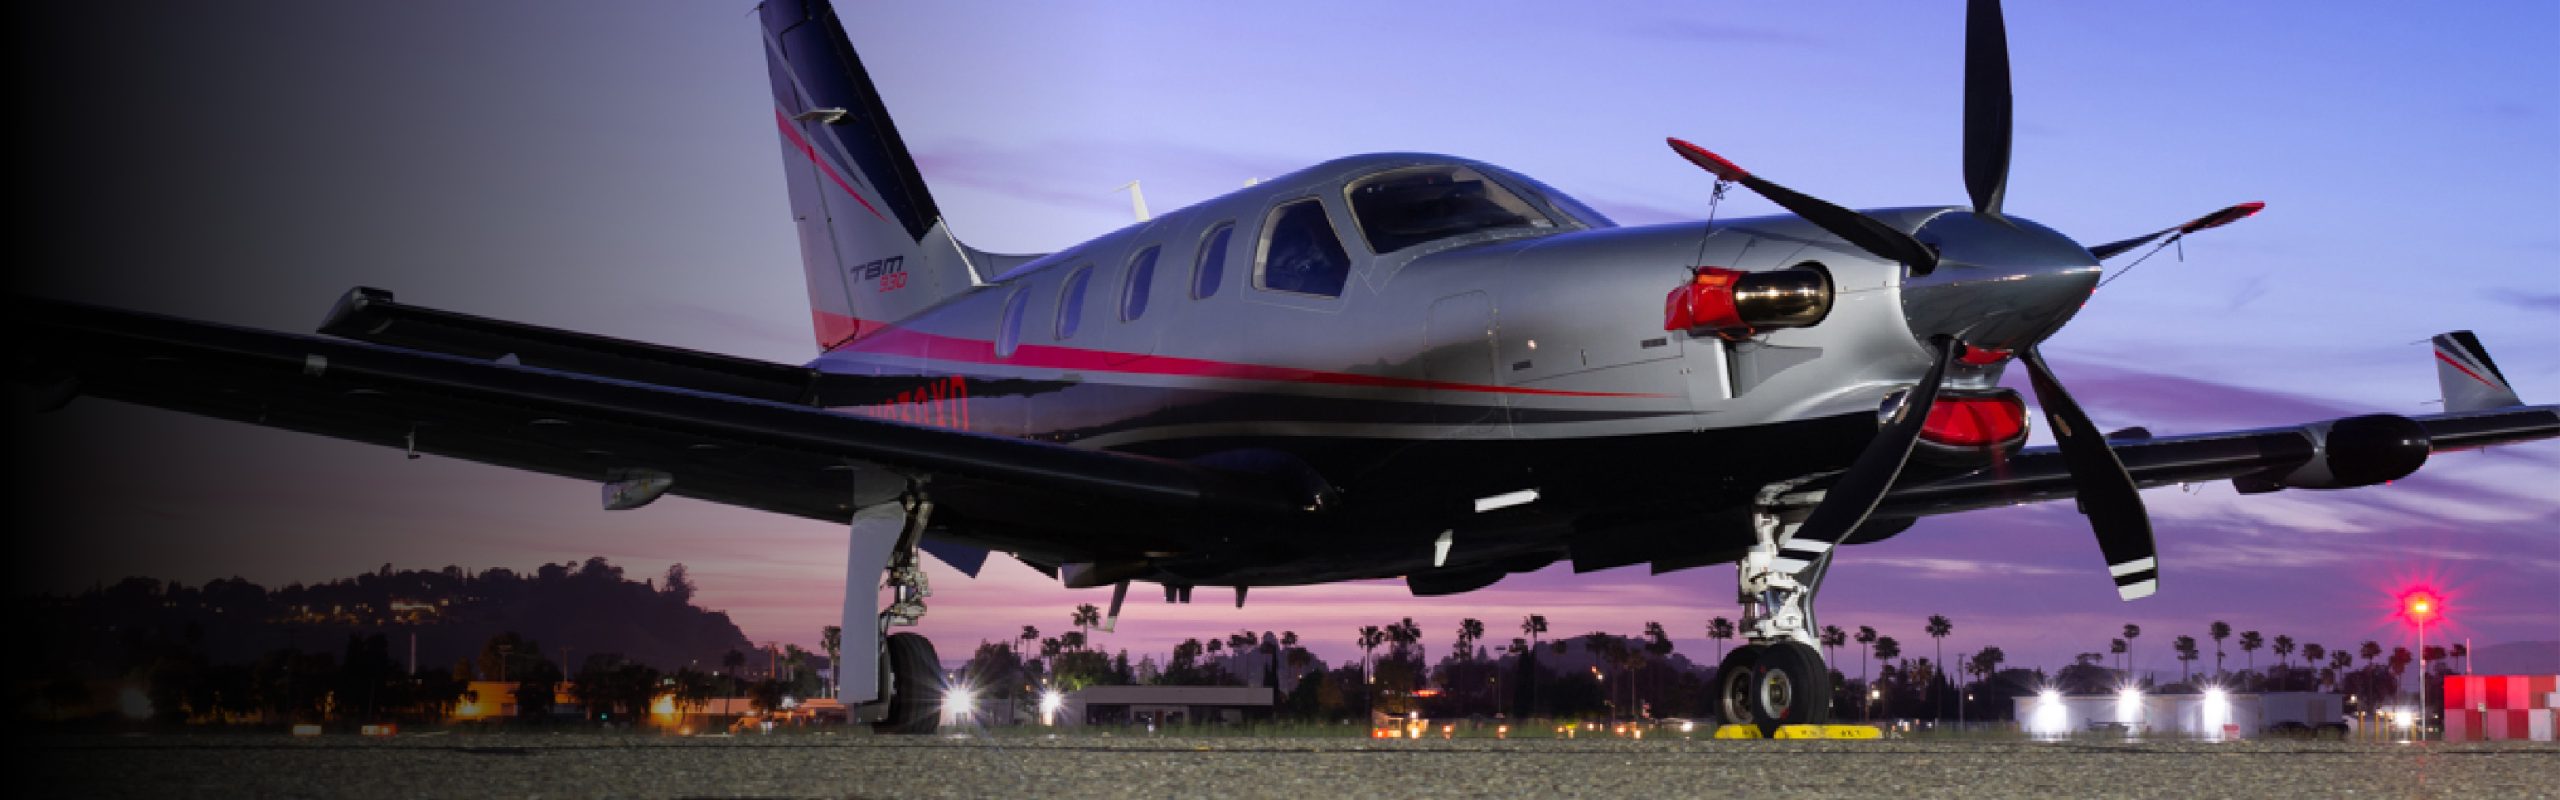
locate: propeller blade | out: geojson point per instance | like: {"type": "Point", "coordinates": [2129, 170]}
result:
{"type": "Point", "coordinates": [2107, 493]}
{"type": "Point", "coordinates": [2219, 218]}
{"type": "Point", "coordinates": [1854, 496]}
{"type": "Point", "coordinates": [1986, 106]}
{"type": "Point", "coordinates": [1858, 229]}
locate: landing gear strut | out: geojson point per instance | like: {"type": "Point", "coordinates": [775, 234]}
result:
{"type": "Point", "coordinates": [890, 680]}
{"type": "Point", "coordinates": [1778, 678]}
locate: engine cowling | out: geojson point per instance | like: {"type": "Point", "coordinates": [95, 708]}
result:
{"type": "Point", "coordinates": [2350, 452]}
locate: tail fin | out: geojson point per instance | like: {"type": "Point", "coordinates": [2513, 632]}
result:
{"type": "Point", "coordinates": [873, 243]}
{"type": "Point", "coordinates": [2471, 382]}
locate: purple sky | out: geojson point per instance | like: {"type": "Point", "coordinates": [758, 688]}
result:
{"type": "Point", "coordinates": [613, 168]}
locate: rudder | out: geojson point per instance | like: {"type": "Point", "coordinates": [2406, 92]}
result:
{"type": "Point", "coordinates": [872, 243]}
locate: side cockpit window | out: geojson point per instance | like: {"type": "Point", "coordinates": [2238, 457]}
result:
{"type": "Point", "coordinates": [1009, 332]}
{"type": "Point", "coordinates": [1401, 208]}
{"type": "Point", "coordinates": [1071, 302]}
{"type": "Point", "coordinates": [1300, 252]}
{"type": "Point", "coordinates": [1213, 262]}
{"type": "Point", "coordinates": [1142, 277]}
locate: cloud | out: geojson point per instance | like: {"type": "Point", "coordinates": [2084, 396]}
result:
{"type": "Point", "coordinates": [2545, 302]}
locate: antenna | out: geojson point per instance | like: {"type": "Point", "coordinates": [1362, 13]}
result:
{"type": "Point", "coordinates": [1137, 200]}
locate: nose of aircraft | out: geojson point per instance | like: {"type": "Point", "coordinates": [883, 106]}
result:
{"type": "Point", "coordinates": [2002, 282]}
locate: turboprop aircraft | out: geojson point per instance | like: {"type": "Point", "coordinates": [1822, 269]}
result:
{"type": "Point", "coordinates": [1384, 366]}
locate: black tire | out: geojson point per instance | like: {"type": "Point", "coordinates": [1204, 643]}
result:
{"type": "Point", "coordinates": [1733, 686]}
{"type": "Point", "coordinates": [1790, 686]}
{"type": "Point", "coordinates": [915, 687]}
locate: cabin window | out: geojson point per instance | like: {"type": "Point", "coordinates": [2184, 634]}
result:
{"type": "Point", "coordinates": [1213, 261]}
{"type": "Point", "coordinates": [1142, 276]}
{"type": "Point", "coordinates": [1401, 208]}
{"type": "Point", "coordinates": [1009, 333]}
{"type": "Point", "coordinates": [1300, 252]}
{"type": "Point", "coordinates": [1071, 302]}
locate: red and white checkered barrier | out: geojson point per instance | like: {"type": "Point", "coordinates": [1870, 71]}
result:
{"type": "Point", "coordinates": [2501, 707]}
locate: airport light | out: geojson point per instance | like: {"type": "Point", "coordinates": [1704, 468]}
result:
{"type": "Point", "coordinates": [2050, 717]}
{"type": "Point", "coordinates": [958, 700]}
{"type": "Point", "coordinates": [2129, 708]}
{"type": "Point", "coordinates": [1050, 703]}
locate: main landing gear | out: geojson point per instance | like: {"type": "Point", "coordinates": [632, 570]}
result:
{"type": "Point", "coordinates": [890, 680]}
{"type": "Point", "coordinates": [1778, 678]}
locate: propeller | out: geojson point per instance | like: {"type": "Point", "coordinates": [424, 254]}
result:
{"type": "Point", "coordinates": [1855, 228]}
{"type": "Point", "coordinates": [2108, 496]}
{"type": "Point", "coordinates": [2107, 493]}
{"type": "Point", "coordinates": [2219, 218]}
{"type": "Point", "coordinates": [1851, 498]}
{"type": "Point", "coordinates": [1986, 106]}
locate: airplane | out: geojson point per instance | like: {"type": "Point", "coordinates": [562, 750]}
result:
{"type": "Point", "coordinates": [1394, 365]}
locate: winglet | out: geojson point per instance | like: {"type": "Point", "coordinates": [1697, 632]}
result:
{"type": "Point", "coordinates": [2471, 382]}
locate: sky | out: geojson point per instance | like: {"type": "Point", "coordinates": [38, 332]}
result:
{"type": "Point", "coordinates": [612, 167]}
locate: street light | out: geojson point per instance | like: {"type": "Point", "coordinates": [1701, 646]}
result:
{"type": "Point", "coordinates": [2421, 606]}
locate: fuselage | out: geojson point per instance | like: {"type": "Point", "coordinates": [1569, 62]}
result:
{"type": "Point", "coordinates": [1439, 370]}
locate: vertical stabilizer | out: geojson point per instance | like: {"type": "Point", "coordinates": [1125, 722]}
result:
{"type": "Point", "coordinates": [2471, 382]}
{"type": "Point", "coordinates": [873, 243]}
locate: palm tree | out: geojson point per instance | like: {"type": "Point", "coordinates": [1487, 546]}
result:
{"type": "Point", "coordinates": [2460, 651]}
{"type": "Point", "coordinates": [2131, 632]}
{"type": "Point", "coordinates": [2284, 650]}
{"type": "Point", "coordinates": [1832, 638]}
{"type": "Point", "coordinates": [2250, 641]}
{"type": "Point", "coordinates": [2220, 630]}
{"type": "Point", "coordinates": [1866, 640]}
{"type": "Point", "coordinates": [1088, 618]}
{"type": "Point", "coordinates": [1938, 628]}
{"type": "Point", "coordinates": [1029, 635]}
{"type": "Point", "coordinates": [1469, 631]}
{"type": "Point", "coordinates": [832, 639]}
{"type": "Point", "coordinates": [2186, 647]}
{"type": "Point", "coordinates": [1531, 626]}
{"type": "Point", "coordinates": [1720, 629]}
{"type": "Point", "coordinates": [1408, 640]}
{"type": "Point", "coordinates": [2370, 651]}
{"type": "Point", "coordinates": [1887, 650]}
{"type": "Point", "coordinates": [2118, 647]}
{"type": "Point", "coordinates": [1370, 637]}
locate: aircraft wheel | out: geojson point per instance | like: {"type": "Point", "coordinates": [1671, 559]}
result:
{"type": "Point", "coordinates": [915, 687]}
{"type": "Point", "coordinates": [1790, 686]}
{"type": "Point", "coordinates": [1734, 682]}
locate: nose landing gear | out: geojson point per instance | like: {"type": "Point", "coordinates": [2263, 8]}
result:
{"type": "Point", "coordinates": [1779, 678]}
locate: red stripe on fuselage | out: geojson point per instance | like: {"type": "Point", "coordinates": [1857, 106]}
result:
{"type": "Point", "coordinates": [823, 166]}
{"type": "Point", "coordinates": [951, 349]}
{"type": "Point", "coordinates": [2440, 356]}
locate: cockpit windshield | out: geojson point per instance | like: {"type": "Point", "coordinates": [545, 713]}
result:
{"type": "Point", "coordinates": [1405, 207]}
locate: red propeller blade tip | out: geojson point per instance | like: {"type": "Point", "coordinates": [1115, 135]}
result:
{"type": "Point", "coordinates": [2224, 217]}
{"type": "Point", "coordinates": [1710, 162]}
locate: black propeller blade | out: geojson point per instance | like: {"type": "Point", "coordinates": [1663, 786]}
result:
{"type": "Point", "coordinates": [2107, 493]}
{"type": "Point", "coordinates": [1858, 229]}
{"type": "Point", "coordinates": [1851, 498]}
{"type": "Point", "coordinates": [1986, 106]}
{"type": "Point", "coordinates": [2224, 216]}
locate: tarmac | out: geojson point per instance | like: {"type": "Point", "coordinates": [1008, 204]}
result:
{"type": "Point", "coordinates": [548, 765]}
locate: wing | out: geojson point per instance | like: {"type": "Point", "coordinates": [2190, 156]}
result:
{"type": "Point", "coordinates": [727, 430]}
{"type": "Point", "coordinates": [2307, 456]}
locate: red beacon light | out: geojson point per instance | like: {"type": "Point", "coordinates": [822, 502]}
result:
{"type": "Point", "coordinates": [2421, 606]}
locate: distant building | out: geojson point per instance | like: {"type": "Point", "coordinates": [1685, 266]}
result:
{"type": "Point", "coordinates": [1167, 705]}
{"type": "Point", "coordinates": [2211, 714]}
{"type": "Point", "coordinates": [2500, 707]}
